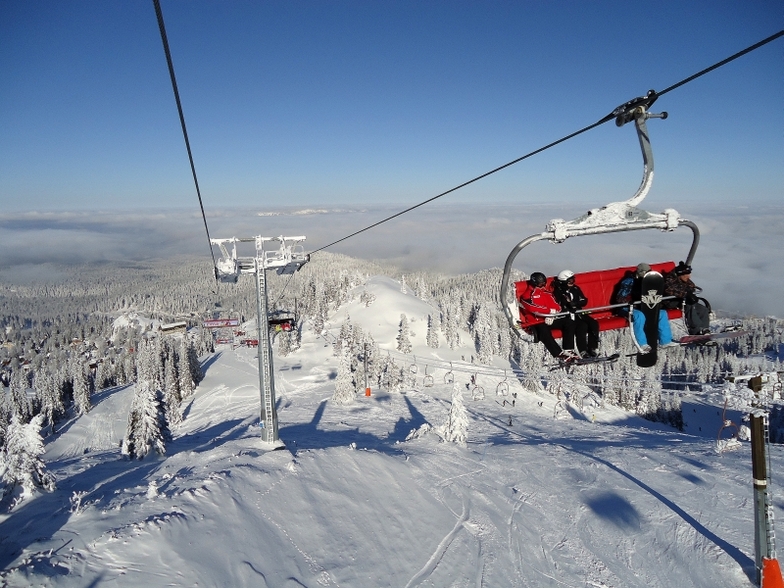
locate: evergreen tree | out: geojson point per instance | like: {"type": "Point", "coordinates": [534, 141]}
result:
{"type": "Point", "coordinates": [187, 385]}
{"type": "Point", "coordinates": [367, 298]}
{"type": "Point", "coordinates": [403, 342]}
{"type": "Point", "coordinates": [21, 463]}
{"type": "Point", "coordinates": [344, 383]}
{"type": "Point", "coordinates": [171, 389]}
{"type": "Point", "coordinates": [194, 366]}
{"type": "Point", "coordinates": [20, 403]}
{"type": "Point", "coordinates": [81, 387]}
{"type": "Point", "coordinates": [454, 430]}
{"type": "Point", "coordinates": [432, 331]}
{"type": "Point", "coordinates": [344, 339]}
{"type": "Point", "coordinates": [147, 429]}
{"type": "Point", "coordinates": [48, 394]}
{"type": "Point", "coordinates": [5, 417]}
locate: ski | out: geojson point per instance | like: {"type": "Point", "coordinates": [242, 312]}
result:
{"type": "Point", "coordinates": [586, 361]}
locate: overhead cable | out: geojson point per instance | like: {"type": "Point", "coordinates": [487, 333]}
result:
{"type": "Point", "coordinates": [165, 40]}
{"type": "Point", "coordinates": [619, 111]}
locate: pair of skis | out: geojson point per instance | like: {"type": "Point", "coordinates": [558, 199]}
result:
{"type": "Point", "coordinates": [706, 339]}
{"type": "Point", "coordinates": [585, 361]}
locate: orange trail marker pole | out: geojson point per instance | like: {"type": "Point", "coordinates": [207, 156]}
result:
{"type": "Point", "coordinates": [771, 574]}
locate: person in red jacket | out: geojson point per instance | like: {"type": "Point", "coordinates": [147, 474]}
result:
{"type": "Point", "coordinates": [538, 300]}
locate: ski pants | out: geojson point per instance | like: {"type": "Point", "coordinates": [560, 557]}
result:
{"type": "Point", "coordinates": [697, 319]}
{"type": "Point", "coordinates": [545, 335]}
{"type": "Point", "coordinates": [586, 331]}
{"type": "Point", "coordinates": [638, 324]}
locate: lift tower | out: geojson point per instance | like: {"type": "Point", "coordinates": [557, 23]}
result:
{"type": "Point", "coordinates": [286, 259]}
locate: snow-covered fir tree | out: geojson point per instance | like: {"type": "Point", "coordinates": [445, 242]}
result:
{"type": "Point", "coordinates": [345, 338]}
{"type": "Point", "coordinates": [5, 417]}
{"type": "Point", "coordinates": [193, 363]}
{"type": "Point", "coordinates": [187, 383]}
{"type": "Point", "coordinates": [147, 429]}
{"type": "Point", "coordinates": [49, 399]}
{"type": "Point", "coordinates": [455, 429]}
{"type": "Point", "coordinates": [345, 386]}
{"type": "Point", "coordinates": [451, 324]}
{"type": "Point", "coordinates": [367, 298]}
{"type": "Point", "coordinates": [403, 341]}
{"type": "Point", "coordinates": [81, 387]}
{"type": "Point", "coordinates": [20, 461]}
{"type": "Point", "coordinates": [171, 387]}
{"type": "Point", "coordinates": [20, 403]}
{"type": "Point", "coordinates": [432, 331]}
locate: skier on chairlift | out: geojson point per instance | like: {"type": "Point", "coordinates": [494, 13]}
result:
{"type": "Point", "coordinates": [678, 283]}
{"type": "Point", "coordinates": [638, 318]}
{"type": "Point", "coordinates": [538, 300]}
{"type": "Point", "coordinates": [571, 299]}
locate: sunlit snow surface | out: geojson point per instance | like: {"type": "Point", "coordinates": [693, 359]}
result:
{"type": "Point", "coordinates": [595, 497]}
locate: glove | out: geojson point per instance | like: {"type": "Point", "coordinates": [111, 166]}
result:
{"type": "Point", "coordinates": [691, 299]}
{"type": "Point", "coordinates": [549, 320]}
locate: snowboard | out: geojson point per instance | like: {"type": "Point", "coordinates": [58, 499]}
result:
{"type": "Point", "coordinates": [650, 303]}
{"type": "Point", "coordinates": [699, 339]}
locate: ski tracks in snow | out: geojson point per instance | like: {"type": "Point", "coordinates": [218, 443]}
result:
{"type": "Point", "coordinates": [434, 560]}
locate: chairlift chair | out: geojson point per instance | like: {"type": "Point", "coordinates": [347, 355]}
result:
{"type": "Point", "coordinates": [613, 218]}
{"type": "Point", "coordinates": [502, 389]}
{"type": "Point", "coordinates": [428, 380]}
{"type": "Point", "coordinates": [449, 377]}
{"type": "Point", "coordinates": [281, 320]}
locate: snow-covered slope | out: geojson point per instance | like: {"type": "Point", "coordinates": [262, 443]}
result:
{"type": "Point", "coordinates": [544, 494]}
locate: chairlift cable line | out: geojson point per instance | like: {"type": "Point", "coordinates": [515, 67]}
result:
{"type": "Point", "coordinates": [723, 62]}
{"type": "Point", "coordinates": [165, 39]}
{"type": "Point", "coordinates": [647, 101]}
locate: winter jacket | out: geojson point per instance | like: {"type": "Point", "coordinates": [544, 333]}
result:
{"type": "Point", "coordinates": [682, 290]}
{"type": "Point", "coordinates": [570, 298]}
{"type": "Point", "coordinates": [539, 300]}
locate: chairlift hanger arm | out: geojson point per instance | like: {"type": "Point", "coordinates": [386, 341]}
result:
{"type": "Point", "coordinates": [288, 258]}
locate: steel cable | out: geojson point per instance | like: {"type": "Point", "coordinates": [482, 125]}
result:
{"type": "Point", "coordinates": [647, 100]}
{"type": "Point", "coordinates": [164, 38]}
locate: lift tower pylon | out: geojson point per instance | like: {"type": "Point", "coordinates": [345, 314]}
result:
{"type": "Point", "coordinates": [286, 259]}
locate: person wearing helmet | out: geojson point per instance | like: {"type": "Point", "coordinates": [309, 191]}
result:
{"type": "Point", "coordinates": [571, 299]}
{"type": "Point", "coordinates": [678, 283]}
{"type": "Point", "coordinates": [539, 300]}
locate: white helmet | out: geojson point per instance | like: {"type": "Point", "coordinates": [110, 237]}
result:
{"type": "Point", "coordinates": [565, 275]}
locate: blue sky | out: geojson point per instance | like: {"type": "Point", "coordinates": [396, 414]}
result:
{"type": "Point", "coordinates": [367, 103]}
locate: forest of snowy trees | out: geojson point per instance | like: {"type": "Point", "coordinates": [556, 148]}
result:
{"type": "Point", "coordinates": [95, 328]}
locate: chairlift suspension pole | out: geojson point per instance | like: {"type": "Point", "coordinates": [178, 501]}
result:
{"type": "Point", "coordinates": [287, 259]}
{"type": "Point", "coordinates": [268, 418]}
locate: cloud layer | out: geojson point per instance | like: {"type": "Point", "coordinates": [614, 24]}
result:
{"type": "Point", "coordinates": [738, 263]}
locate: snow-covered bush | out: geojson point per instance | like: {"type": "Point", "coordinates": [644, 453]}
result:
{"type": "Point", "coordinates": [455, 428]}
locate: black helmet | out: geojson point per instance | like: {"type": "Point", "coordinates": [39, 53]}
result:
{"type": "Point", "coordinates": [538, 279]}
